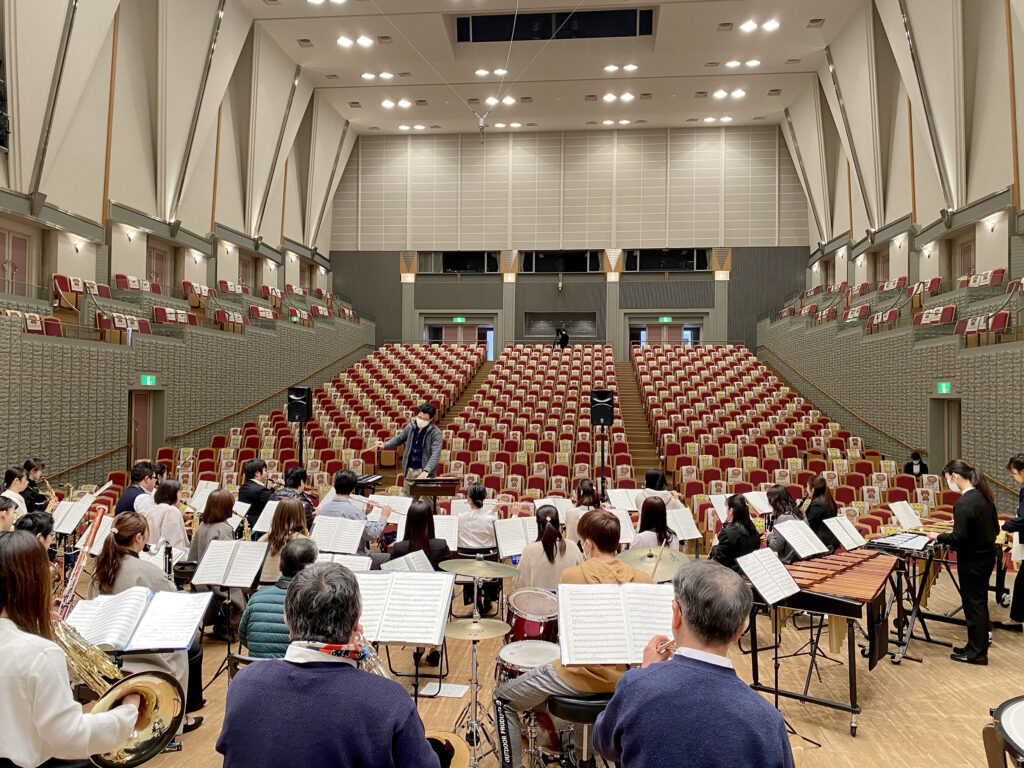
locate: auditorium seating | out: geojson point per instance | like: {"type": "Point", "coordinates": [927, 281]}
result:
{"type": "Point", "coordinates": [883, 320]}
{"type": "Point", "coordinates": [896, 284]}
{"type": "Point", "coordinates": [982, 279]}
{"type": "Point", "coordinates": [116, 328]}
{"type": "Point", "coordinates": [296, 289]}
{"type": "Point", "coordinates": [237, 289]}
{"type": "Point", "coordinates": [261, 313]}
{"type": "Point", "coordinates": [132, 283]}
{"type": "Point", "coordinates": [856, 314]}
{"type": "Point", "coordinates": [983, 329]}
{"type": "Point", "coordinates": [172, 316]}
{"type": "Point", "coordinates": [71, 292]}
{"type": "Point", "coordinates": [300, 317]}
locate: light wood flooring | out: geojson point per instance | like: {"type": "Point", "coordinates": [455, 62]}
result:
{"type": "Point", "coordinates": [914, 714]}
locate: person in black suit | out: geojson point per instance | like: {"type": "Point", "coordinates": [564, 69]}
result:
{"type": "Point", "coordinates": [975, 527]}
{"type": "Point", "coordinates": [916, 466]}
{"type": "Point", "coordinates": [738, 536]}
{"type": "Point", "coordinates": [35, 500]}
{"type": "Point", "coordinates": [1016, 525]}
{"type": "Point", "coordinates": [822, 507]}
{"type": "Point", "coordinates": [143, 481]}
{"type": "Point", "coordinates": [254, 490]}
{"type": "Point", "coordinates": [563, 338]}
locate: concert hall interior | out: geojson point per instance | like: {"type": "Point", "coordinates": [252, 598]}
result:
{"type": "Point", "coordinates": [502, 383]}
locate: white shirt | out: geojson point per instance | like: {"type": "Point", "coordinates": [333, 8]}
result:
{"type": "Point", "coordinates": [307, 653]}
{"type": "Point", "coordinates": [166, 522]}
{"type": "Point", "coordinates": [18, 499]}
{"type": "Point", "coordinates": [476, 529]}
{"type": "Point", "coordinates": [709, 658]}
{"type": "Point", "coordinates": [143, 502]}
{"type": "Point", "coordinates": [40, 718]}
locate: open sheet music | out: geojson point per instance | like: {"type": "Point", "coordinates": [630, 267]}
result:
{"type": "Point", "coordinates": [234, 521]}
{"type": "Point", "coordinates": [759, 501]}
{"type": "Point", "coordinates": [240, 508]}
{"type": "Point", "coordinates": [416, 562]}
{"type": "Point", "coordinates": [627, 532]}
{"type": "Point", "coordinates": [446, 527]}
{"type": "Point", "coordinates": [462, 505]}
{"type": "Point", "coordinates": [562, 505]}
{"type": "Point", "coordinates": [905, 515]}
{"type": "Point", "coordinates": [409, 608]}
{"type": "Point", "coordinates": [513, 534]}
{"type": "Point", "coordinates": [328, 497]}
{"type": "Point", "coordinates": [800, 537]}
{"type": "Point", "coordinates": [623, 498]}
{"type": "Point", "coordinates": [768, 575]}
{"type": "Point", "coordinates": [201, 493]}
{"type": "Point", "coordinates": [231, 563]}
{"type": "Point", "coordinates": [845, 532]}
{"type": "Point", "coordinates": [156, 556]}
{"type": "Point", "coordinates": [1017, 552]}
{"type": "Point", "coordinates": [139, 620]}
{"type": "Point", "coordinates": [611, 623]}
{"type": "Point", "coordinates": [398, 503]}
{"type": "Point", "coordinates": [106, 522]}
{"type": "Point", "coordinates": [266, 518]}
{"type": "Point", "coordinates": [337, 534]}
{"type": "Point", "coordinates": [352, 562]}
{"type": "Point", "coordinates": [718, 501]}
{"type": "Point", "coordinates": [66, 517]}
{"type": "Point", "coordinates": [681, 523]}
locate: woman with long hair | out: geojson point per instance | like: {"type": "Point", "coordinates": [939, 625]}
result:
{"type": "Point", "coordinates": [164, 518]}
{"type": "Point", "coordinates": [214, 526]}
{"type": "Point", "coordinates": [656, 486]}
{"type": "Point", "coordinates": [419, 536]}
{"type": "Point", "coordinates": [119, 568]}
{"type": "Point", "coordinates": [15, 483]}
{"type": "Point", "coordinates": [585, 499]}
{"type": "Point", "coordinates": [35, 501]}
{"type": "Point", "coordinates": [289, 524]}
{"type": "Point", "coordinates": [738, 537]}
{"type": "Point", "coordinates": [654, 530]}
{"type": "Point", "coordinates": [1016, 526]}
{"type": "Point", "coordinates": [783, 508]}
{"type": "Point", "coordinates": [821, 508]}
{"type": "Point", "coordinates": [975, 527]}
{"type": "Point", "coordinates": [41, 719]}
{"type": "Point", "coordinates": [544, 559]}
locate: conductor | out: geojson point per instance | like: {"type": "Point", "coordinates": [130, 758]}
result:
{"type": "Point", "coordinates": [423, 441]}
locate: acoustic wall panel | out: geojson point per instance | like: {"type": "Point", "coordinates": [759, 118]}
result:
{"type": "Point", "coordinates": [640, 191]}
{"type": "Point", "coordinates": [383, 192]}
{"type": "Point", "coordinates": [751, 162]}
{"type": "Point", "coordinates": [345, 221]}
{"type": "Point", "coordinates": [434, 192]}
{"type": "Point", "coordinates": [588, 177]}
{"type": "Point", "coordinates": [484, 197]}
{"type": "Point", "coordinates": [695, 186]}
{"type": "Point", "coordinates": [535, 207]}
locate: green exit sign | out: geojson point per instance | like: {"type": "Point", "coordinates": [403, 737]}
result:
{"type": "Point", "coordinates": [147, 381]}
{"type": "Point", "coordinates": [665, 319]}
{"type": "Point", "coordinates": [458, 319]}
{"type": "Point", "coordinates": [944, 387]}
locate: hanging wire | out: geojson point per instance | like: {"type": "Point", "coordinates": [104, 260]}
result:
{"type": "Point", "coordinates": [508, 58]}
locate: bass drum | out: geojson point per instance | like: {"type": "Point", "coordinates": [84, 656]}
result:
{"type": "Point", "coordinates": [533, 615]}
{"type": "Point", "coordinates": [516, 658]}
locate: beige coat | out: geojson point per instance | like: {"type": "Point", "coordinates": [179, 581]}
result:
{"type": "Point", "coordinates": [535, 570]}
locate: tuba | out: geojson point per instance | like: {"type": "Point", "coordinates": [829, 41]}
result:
{"type": "Point", "coordinates": [451, 749]}
{"type": "Point", "coordinates": [163, 701]}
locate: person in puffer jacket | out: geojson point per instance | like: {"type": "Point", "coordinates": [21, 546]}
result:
{"type": "Point", "coordinates": [263, 630]}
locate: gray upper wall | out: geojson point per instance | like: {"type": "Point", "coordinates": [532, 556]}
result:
{"type": "Point", "coordinates": [471, 292]}
{"type": "Point", "coordinates": [580, 295]}
{"type": "Point", "coordinates": [372, 280]}
{"type": "Point", "coordinates": [758, 282]}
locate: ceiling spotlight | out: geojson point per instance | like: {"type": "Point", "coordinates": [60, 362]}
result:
{"type": "Point", "coordinates": [748, 26]}
{"type": "Point", "coordinates": [490, 101]}
{"type": "Point", "coordinates": [500, 72]}
{"type": "Point", "coordinates": [732, 64]}
{"type": "Point", "coordinates": [388, 104]}
{"type": "Point", "coordinates": [720, 93]}
{"type": "Point", "coordinates": [627, 96]}
{"type": "Point", "coordinates": [610, 97]}
{"type": "Point", "coordinates": [368, 76]}
{"type": "Point", "coordinates": [385, 76]}
{"type": "Point", "coordinates": [623, 122]}
{"type": "Point", "coordinates": [482, 72]}
{"type": "Point", "coordinates": [337, 2]}
{"type": "Point", "coordinates": [726, 119]}
{"type": "Point", "coordinates": [420, 127]}
{"type": "Point", "coordinates": [508, 101]}
{"type": "Point", "coordinates": [608, 122]}
{"type": "Point", "coordinates": [630, 68]}
{"type": "Point", "coordinates": [364, 41]}
{"type": "Point", "coordinates": [404, 103]}
{"type": "Point", "coordinates": [612, 68]}
{"type": "Point", "coordinates": [315, 2]}
{"type": "Point", "coordinates": [709, 119]}
{"type": "Point", "coordinates": [515, 125]}
{"type": "Point", "coordinates": [499, 125]}
{"type": "Point", "coordinates": [739, 93]}
{"type": "Point", "coordinates": [754, 63]}
{"type": "Point", "coordinates": [770, 26]}
{"type": "Point", "coordinates": [345, 42]}
{"type": "Point", "coordinates": [403, 127]}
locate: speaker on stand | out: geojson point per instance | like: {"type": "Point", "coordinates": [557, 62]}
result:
{"type": "Point", "coordinates": [602, 414]}
{"type": "Point", "coordinates": [300, 409]}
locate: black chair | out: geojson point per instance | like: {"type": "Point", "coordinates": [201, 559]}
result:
{"type": "Point", "coordinates": [582, 710]}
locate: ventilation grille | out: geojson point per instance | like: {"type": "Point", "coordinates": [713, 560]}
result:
{"type": "Point", "coordinates": [725, 26]}
{"type": "Point", "coordinates": [815, 23]}
{"type": "Point", "coordinates": [355, 105]}
{"type": "Point", "coordinates": [304, 42]}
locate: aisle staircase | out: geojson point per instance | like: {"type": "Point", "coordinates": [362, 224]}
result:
{"type": "Point", "coordinates": [641, 445]}
{"type": "Point", "coordinates": [467, 394]}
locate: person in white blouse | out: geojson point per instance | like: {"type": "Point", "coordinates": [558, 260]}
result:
{"type": "Point", "coordinates": [476, 533]}
{"type": "Point", "coordinates": [655, 486]}
{"type": "Point", "coordinates": [8, 513]}
{"type": "Point", "coordinates": [654, 530]}
{"type": "Point", "coordinates": [42, 724]}
{"type": "Point", "coordinates": [16, 481]}
{"type": "Point", "coordinates": [544, 559]}
{"type": "Point", "coordinates": [586, 499]}
{"type": "Point", "coordinates": [164, 518]}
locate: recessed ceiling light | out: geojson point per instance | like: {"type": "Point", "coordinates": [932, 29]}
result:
{"type": "Point", "coordinates": [403, 127]}
{"type": "Point", "coordinates": [720, 93]}
{"type": "Point", "coordinates": [608, 122]}
{"type": "Point", "coordinates": [748, 26]}
{"type": "Point", "coordinates": [726, 119]}
{"type": "Point", "coordinates": [500, 72]}
{"type": "Point", "coordinates": [499, 125]}
{"type": "Point", "coordinates": [364, 41]}
{"type": "Point", "coordinates": [491, 101]}
{"type": "Point", "coordinates": [388, 104]}
{"type": "Point", "coordinates": [623, 122]}
{"type": "Point", "coordinates": [739, 93]}
{"type": "Point", "coordinates": [385, 76]}
{"type": "Point", "coordinates": [420, 127]}
{"type": "Point", "coordinates": [515, 125]}
{"type": "Point", "coordinates": [609, 97]}
{"type": "Point", "coordinates": [508, 101]}
{"type": "Point", "coordinates": [709, 119]}
{"type": "Point", "coordinates": [368, 76]}
{"type": "Point", "coordinates": [612, 68]}
{"type": "Point", "coordinates": [630, 68]}
{"type": "Point", "coordinates": [315, 2]}
{"type": "Point", "coordinates": [404, 103]}
{"type": "Point", "coordinates": [337, 2]}
{"type": "Point", "coordinates": [482, 72]}
{"type": "Point", "coordinates": [627, 96]}
{"type": "Point", "coordinates": [732, 64]}
{"type": "Point", "coordinates": [345, 42]}
{"type": "Point", "coordinates": [754, 63]}
{"type": "Point", "coordinates": [770, 26]}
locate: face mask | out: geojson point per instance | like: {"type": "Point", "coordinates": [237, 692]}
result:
{"type": "Point", "coordinates": [952, 487]}
{"type": "Point", "coordinates": [422, 423]}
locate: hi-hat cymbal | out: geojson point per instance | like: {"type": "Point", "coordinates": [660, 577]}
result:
{"type": "Point", "coordinates": [482, 569]}
{"type": "Point", "coordinates": [644, 558]}
{"type": "Point", "coordinates": [482, 629]}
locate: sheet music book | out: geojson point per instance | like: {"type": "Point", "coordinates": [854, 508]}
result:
{"type": "Point", "coordinates": [416, 562]}
{"type": "Point", "coordinates": [721, 508]}
{"type": "Point", "coordinates": [846, 532]}
{"type": "Point", "coordinates": [352, 562]}
{"type": "Point", "coordinates": [240, 508]}
{"type": "Point", "coordinates": [768, 575]}
{"type": "Point", "coordinates": [398, 503]}
{"type": "Point", "coordinates": [611, 623]}
{"type": "Point", "coordinates": [759, 501]}
{"type": "Point", "coordinates": [338, 534]}
{"type": "Point", "coordinates": [627, 531]}
{"type": "Point", "coordinates": [462, 505]}
{"type": "Point", "coordinates": [200, 496]}
{"type": "Point", "coordinates": [905, 514]}
{"type": "Point", "coordinates": [234, 521]}
{"type": "Point", "coordinates": [266, 518]}
{"type": "Point", "coordinates": [409, 608]}
{"type": "Point", "coordinates": [106, 522]}
{"type": "Point", "coordinates": [799, 536]}
{"type": "Point", "coordinates": [139, 620]}
{"type": "Point", "coordinates": [231, 563]}
{"type": "Point", "coordinates": [446, 527]}
{"type": "Point", "coordinates": [156, 557]}
{"type": "Point", "coordinates": [328, 497]}
{"type": "Point", "coordinates": [681, 523]}
{"type": "Point", "coordinates": [513, 534]}
{"type": "Point", "coordinates": [562, 505]}
{"type": "Point", "coordinates": [623, 498]}
{"type": "Point", "coordinates": [66, 517]}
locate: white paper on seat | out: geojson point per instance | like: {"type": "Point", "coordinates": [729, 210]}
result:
{"type": "Point", "coordinates": [845, 532]}
{"type": "Point", "coordinates": [768, 575]}
{"type": "Point", "coordinates": [611, 623]}
{"type": "Point", "coordinates": [682, 524]}
{"type": "Point", "coordinates": [447, 527]}
{"type": "Point", "coordinates": [718, 501]}
{"type": "Point", "coordinates": [905, 514]}
{"type": "Point", "coordinates": [623, 498]}
{"type": "Point", "coordinates": [416, 562]}
{"type": "Point", "coordinates": [338, 534]}
{"type": "Point", "coordinates": [759, 501]}
{"type": "Point", "coordinates": [266, 519]}
{"type": "Point", "coordinates": [417, 608]}
{"type": "Point", "coordinates": [231, 563]}
{"type": "Point", "coordinates": [800, 537]}
{"type": "Point", "coordinates": [355, 563]}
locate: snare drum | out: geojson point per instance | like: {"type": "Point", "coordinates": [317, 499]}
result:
{"type": "Point", "coordinates": [516, 658]}
{"type": "Point", "coordinates": [533, 615]}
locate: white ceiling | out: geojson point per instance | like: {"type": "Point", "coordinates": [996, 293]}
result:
{"type": "Point", "coordinates": [557, 75]}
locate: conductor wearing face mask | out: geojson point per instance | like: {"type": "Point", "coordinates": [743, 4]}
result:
{"type": "Point", "coordinates": [422, 440]}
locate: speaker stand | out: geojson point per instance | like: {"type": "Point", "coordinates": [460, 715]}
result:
{"type": "Point", "coordinates": [302, 432]}
{"type": "Point", "coordinates": [604, 445]}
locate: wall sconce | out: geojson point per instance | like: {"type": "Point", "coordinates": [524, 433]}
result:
{"type": "Point", "coordinates": [322, 271]}
{"type": "Point", "coordinates": [271, 264]}
{"type": "Point", "coordinates": [292, 257]}
{"type": "Point", "coordinates": [130, 234]}
{"type": "Point", "coordinates": [78, 247]}
{"type": "Point", "coordinates": [841, 253]}
{"type": "Point", "coordinates": [197, 256]}
{"type": "Point", "coordinates": [814, 268]}
{"type": "Point", "coordinates": [991, 224]}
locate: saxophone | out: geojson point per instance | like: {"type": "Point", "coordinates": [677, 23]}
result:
{"type": "Point", "coordinates": [51, 495]}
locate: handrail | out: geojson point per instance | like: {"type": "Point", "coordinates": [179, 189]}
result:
{"type": "Point", "coordinates": [89, 461]}
{"type": "Point", "coordinates": [242, 410]}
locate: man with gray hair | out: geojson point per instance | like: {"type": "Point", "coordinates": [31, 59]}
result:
{"type": "Point", "coordinates": [714, 720]}
{"type": "Point", "coordinates": [314, 707]}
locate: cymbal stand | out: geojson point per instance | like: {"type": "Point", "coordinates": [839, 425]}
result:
{"type": "Point", "coordinates": [469, 718]}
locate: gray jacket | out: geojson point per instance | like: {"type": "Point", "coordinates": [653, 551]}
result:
{"type": "Point", "coordinates": [432, 440]}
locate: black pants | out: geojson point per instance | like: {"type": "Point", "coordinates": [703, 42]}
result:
{"type": "Point", "coordinates": [975, 573]}
{"type": "Point", "coordinates": [1017, 603]}
{"type": "Point", "coordinates": [194, 694]}
{"type": "Point", "coordinates": [489, 590]}
{"type": "Point", "coordinates": [53, 762]}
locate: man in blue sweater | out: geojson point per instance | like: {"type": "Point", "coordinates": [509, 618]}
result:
{"type": "Point", "coordinates": [314, 708]}
{"type": "Point", "coordinates": [715, 720]}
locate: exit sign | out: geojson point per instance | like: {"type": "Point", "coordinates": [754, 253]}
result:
{"type": "Point", "coordinates": [147, 381]}
{"type": "Point", "coordinates": [458, 319]}
{"type": "Point", "coordinates": [665, 319]}
{"type": "Point", "coordinates": [944, 387]}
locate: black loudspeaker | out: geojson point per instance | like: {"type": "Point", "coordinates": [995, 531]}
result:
{"type": "Point", "coordinates": [602, 407]}
{"type": "Point", "coordinates": [300, 404]}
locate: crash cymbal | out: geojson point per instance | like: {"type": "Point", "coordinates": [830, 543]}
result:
{"type": "Point", "coordinates": [482, 629]}
{"type": "Point", "coordinates": [644, 558]}
{"type": "Point", "coordinates": [482, 569]}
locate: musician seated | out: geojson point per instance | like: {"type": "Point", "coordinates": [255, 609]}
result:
{"type": "Point", "coordinates": [8, 514]}
{"type": "Point", "coordinates": [214, 526]}
{"type": "Point", "coordinates": [40, 718]}
{"type": "Point", "coordinates": [40, 525]}
{"type": "Point", "coordinates": [295, 488]}
{"type": "Point", "coordinates": [143, 481]}
{"type": "Point", "coordinates": [822, 507]}
{"type": "Point", "coordinates": [585, 499]}
{"type": "Point", "coordinates": [476, 533]}
{"type": "Point", "coordinates": [164, 518]}
{"type": "Point", "coordinates": [709, 612]}
{"type": "Point", "coordinates": [655, 485]}
{"type": "Point", "coordinates": [15, 483]}
{"type": "Point", "coordinates": [654, 530]}
{"type": "Point", "coordinates": [314, 708]}
{"type": "Point", "coordinates": [419, 536]}
{"type": "Point", "coordinates": [738, 537]}
{"type": "Point", "coordinates": [544, 560]}
{"type": "Point", "coordinates": [341, 506]}
{"type": "Point", "coordinates": [289, 524]}
{"type": "Point", "coordinates": [783, 509]}
{"type": "Point", "coordinates": [254, 490]}
{"type": "Point", "coordinates": [262, 629]}
{"type": "Point", "coordinates": [599, 535]}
